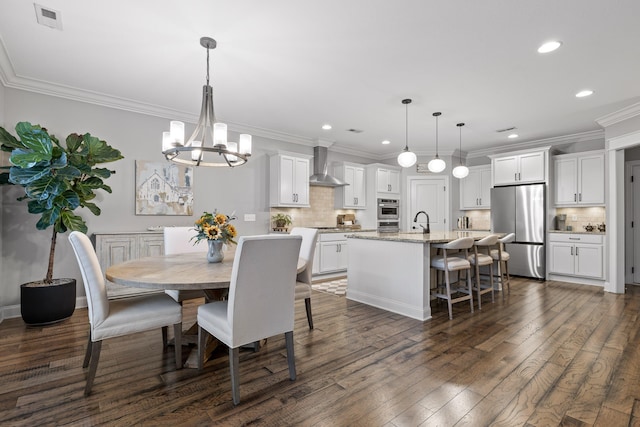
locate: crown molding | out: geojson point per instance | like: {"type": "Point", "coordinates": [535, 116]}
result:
{"type": "Point", "coordinates": [539, 143]}
{"type": "Point", "coordinates": [619, 116]}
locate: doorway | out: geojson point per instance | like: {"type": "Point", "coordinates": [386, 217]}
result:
{"type": "Point", "coordinates": [632, 222]}
{"type": "Point", "coordinates": [429, 194]}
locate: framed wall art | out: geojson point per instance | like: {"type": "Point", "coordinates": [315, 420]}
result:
{"type": "Point", "coordinates": [163, 188]}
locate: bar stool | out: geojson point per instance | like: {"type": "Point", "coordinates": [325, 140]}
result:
{"type": "Point", "coordinates": [480, 259]}
{"type": "Point", "coordinates": [502, 257]}
{"type": "Point", "coordinates": [447, 263]}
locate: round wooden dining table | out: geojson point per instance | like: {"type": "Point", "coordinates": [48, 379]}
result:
{"type": "Point", "coordinates": [178, 272]}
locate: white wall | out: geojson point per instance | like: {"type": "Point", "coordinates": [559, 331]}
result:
{"type": "Point", "coordinates": [25, 250]}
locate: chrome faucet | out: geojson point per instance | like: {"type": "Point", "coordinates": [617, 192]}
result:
{"type": "Point", "coordinates": [424, 230]}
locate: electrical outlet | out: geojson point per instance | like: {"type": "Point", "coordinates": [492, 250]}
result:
{"type": "Point", "coordinates": [249, 217]}
{"type": "Point", "coordinates": [574, 217]}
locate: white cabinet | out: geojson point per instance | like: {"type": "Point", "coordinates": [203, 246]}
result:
{"type": "Point", "coordinates": [331, 252]}
{"type": "Point", "coordinates": [114, 248]}
{"type": "Point", "coordinates": [475, 188]}
{"type": "Point", "coordinates": [520, 168]}
{"type": "Point", "coordinates": [578, 255]}
{"type": "Point", "coordinates": [387, 180]}
{"type": "Point", "coordinates": [350, 196]}
{"type": "Point", "coordinates": [289, 181]}
{"type": "Point", "coordinates": [579, 179]}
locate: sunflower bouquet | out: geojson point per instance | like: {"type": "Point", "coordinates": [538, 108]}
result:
{"type": "Point", "coordinates": [215, 226]}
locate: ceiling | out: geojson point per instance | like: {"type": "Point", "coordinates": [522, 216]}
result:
{"type": "Point", "coordinates": [283, 68]}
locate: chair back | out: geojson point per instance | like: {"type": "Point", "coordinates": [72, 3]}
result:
{"type": "Point", "coordinates": [177, 240]}
{"type": "Point", "coordinates": [307, 250]}
{"type": "Point", "coordinates": [508, 238]}
{"type": "Point", "coordinates": [92, 278]}
{"type": "Point", "coordinates": [490, 240]}
{"type": "Point", "coordinates": [261, 292]}
{"type": "Point", "coordinates": [461, 243]}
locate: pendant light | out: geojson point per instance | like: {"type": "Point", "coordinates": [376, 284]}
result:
{"type": "Point", "coordinates": [406, 159]}
{"type": "Point", "coordinates": [436, 165]}
{"type": "Point", "coordinates": [460, 171]}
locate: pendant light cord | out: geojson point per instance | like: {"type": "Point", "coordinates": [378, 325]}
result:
{"type": "Point", "coordinates": [406, 127]}
{"type": "Point", "coordinates": [207, 66]}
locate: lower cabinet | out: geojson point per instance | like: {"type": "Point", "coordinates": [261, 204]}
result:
{"type": "Point", "coordinates": [114, 248]}
{"type": "Point", "coordinates": [331, 253]}
{"type": "Point", "coordinates": [579, 255]}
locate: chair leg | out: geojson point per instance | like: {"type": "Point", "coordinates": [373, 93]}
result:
{"type": "Point", "coordinates": [493, 299]}
{"type": "Point", "coordinates": [477, 273]}
{"type": "Point", "coordinates": [290, 355]}
{"type": "Point", "coordinates": [177, 338]}
{"type": "Point", "coordinates": [446, 279]}
{"type": "Point", "coordinates": [307, 305]}
{"type": "Point", "coordinates": [87, 354]}
{"type": "Point", "coordinates": [95, 356]}
{"type": "Point", "coordinates": [506, 269]}
{"type": "Point", "coordinates": [470, 286]}
{"type": "Point", "coordinates": [165, 339]}
{"type": "Point", "coordinates": [234, 360]}
{"type": "Point", "coordinates": [202, 343]}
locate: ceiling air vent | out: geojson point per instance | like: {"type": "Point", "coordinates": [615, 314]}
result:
{"type": "Point", "coordinates": [506, 129]}
{"type": "Point", "coordinates": [355, 130]}
{"type": "Point", "coordinates": [48, 17]}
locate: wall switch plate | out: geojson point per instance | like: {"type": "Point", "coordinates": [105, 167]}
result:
{"type": "Point", "coordinates": [249, 217]}
{"type": "Point", "coordinates": [574, 217]}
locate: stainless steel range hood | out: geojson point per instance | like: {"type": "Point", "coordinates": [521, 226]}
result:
{"type": "Point", "coordinates": [321, 175]}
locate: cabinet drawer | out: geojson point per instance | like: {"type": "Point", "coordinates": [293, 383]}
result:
{"type": "Point", "coordinates": [576, 238]}
{"type": "Point", "coordinates": [333, 237]}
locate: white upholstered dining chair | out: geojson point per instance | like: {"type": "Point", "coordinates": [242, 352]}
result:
{"type": "Point", "coordinates": [260, 303]}
{"type": "Point", "coordinates": [177, 240]}
{"type": "Point", "coordinates": [115, 318]}
{"type": "Point", "coordinates": [303, 281]}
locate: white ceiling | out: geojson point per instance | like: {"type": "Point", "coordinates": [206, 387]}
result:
{"type": "Point", "coordinates": [285, 67]}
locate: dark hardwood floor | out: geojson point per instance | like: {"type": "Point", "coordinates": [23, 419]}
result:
{"type": "Point", "coordinates": [551, 354]}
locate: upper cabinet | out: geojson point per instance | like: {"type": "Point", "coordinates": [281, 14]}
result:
{"type": "Point", "coordinates": [388, 180]}
{"type": "Point", "coordinates": [475, 188]}
{"type": "Point", "coordinates": [289, 180]}
{"type": "Point", "coordinates": [520, 168]}
{"type": "Point", "coordinates": [579, 179]}
{"type": "Point", "coordinates": [350, 196]}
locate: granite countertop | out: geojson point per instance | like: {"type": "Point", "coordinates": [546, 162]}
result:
{"type": "Point", "coordinates": [419, 237]}
{"type": "Point", "coordinates": [600, 233]}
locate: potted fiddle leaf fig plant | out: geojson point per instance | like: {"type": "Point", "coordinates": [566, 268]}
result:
{"type": "Point", "coordinates": [57, 179]}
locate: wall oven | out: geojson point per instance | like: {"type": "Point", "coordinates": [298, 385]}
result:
{"type": "Point", "coordinates": [388, 215]}
{"type": "Point", "coordinates": [388, 209]}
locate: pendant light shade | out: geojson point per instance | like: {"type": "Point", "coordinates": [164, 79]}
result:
{"type": "Point", "coordinates": [460, 171]}
{"type": "Point", "coordinates": [406, 159]}
{"type": "Point", "coordinates": [436, 165]}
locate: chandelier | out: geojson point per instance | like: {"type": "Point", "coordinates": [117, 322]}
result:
{"type": "Point", "coordinates": [207, 145]}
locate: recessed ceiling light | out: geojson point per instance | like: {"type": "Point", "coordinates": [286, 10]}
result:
{"type": "Point", "coordinates": [326, 126]}
{"type": "Point", "coordinates": [549, 46]}
{"type": "Point", "coordinates": [584, 93]}
{"type": "Point", "coordinates": [386, 142]}
{"type": "Point", "coordinates": [513, 135]}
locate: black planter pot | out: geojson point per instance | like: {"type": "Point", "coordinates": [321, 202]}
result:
{"type": "Point", "coordinates": [43, 305]}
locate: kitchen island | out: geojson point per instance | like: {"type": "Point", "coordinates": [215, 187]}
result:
{"type": "Point", "coordinates": [392, 270]}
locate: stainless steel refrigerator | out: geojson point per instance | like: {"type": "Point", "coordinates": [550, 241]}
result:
{"type": "Point", "coordinates": [521, 209]}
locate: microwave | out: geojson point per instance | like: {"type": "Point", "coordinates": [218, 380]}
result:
{"type": "Point", "coordinates": [388, 209]}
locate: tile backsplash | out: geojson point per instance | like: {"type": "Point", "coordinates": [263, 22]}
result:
{"type": "Point", "coordinates": [320, 214]}
{"type": "Point", "coordinates": [577, 218]}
